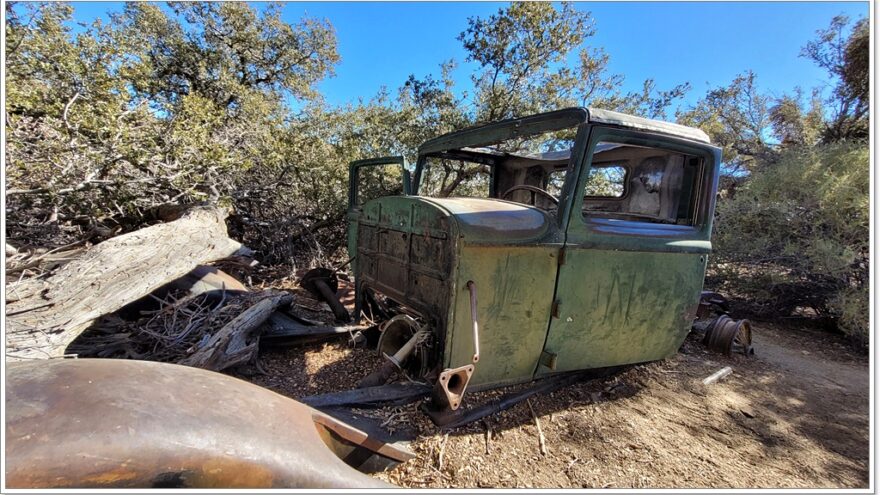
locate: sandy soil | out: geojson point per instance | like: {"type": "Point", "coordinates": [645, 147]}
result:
{"type": "Point", "coordinates": [794, 415]}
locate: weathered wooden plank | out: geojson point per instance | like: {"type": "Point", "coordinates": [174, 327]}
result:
{"type": "Point", "coordinates": [44, 316]}
{"type": "Point", "coordinates": [237, 342]}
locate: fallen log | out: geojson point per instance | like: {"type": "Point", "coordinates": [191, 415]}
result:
{"type": "Point", "coordinates": [43, 316]}
{"type": "Point", "coordinates": [238, 341]}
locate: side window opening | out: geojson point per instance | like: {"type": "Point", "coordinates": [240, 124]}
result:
{"type": "Point", "coordinates": [554, 182]}
{"type": "Point", "coordinates": [641, 184]}
{"type": "Point", "coordinates": [606, 180]}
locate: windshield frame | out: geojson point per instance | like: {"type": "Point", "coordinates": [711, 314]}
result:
{"type": "Point", "coordinates": [498, 132]}
{"type": "Point", "coordinates": [491, 134]}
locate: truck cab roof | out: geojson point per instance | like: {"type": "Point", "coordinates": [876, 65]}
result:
{"type": "Point", "coordinates": [488, 134]}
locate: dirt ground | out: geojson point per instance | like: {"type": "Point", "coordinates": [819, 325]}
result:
{"type": "Point", "coordinates": [795, 415]}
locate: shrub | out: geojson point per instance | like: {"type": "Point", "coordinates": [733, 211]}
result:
{"type": "Point", "coordinates": [796, 234]}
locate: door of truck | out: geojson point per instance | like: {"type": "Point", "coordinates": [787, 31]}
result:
{"type": "Point", "coordinates": [370, 179]}
{"type": "Point", "coordinates": [627, 288]}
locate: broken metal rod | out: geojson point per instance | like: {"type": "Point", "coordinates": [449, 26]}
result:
{"type": "Point", "coordinates": [393, 394]}
{"type": "Point", "coordinates": [393, 363]}
{"type": "Point", "coordinates": [714, 377]}
{"type": "Point", "coordinates": [472, 288]}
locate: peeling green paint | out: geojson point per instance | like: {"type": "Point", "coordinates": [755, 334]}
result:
{"type": "Point", "coordinates": [514, 293]}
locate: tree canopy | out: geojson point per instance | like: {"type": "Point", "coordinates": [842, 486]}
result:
{"type": "Point", "coordinates": [189, 102]}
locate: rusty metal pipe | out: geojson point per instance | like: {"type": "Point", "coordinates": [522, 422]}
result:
{"type": "Point", "coordinates": [400, 356]}
{"type": "Point", "coordinates": [472, 288]}
{"type": "Point", "coordinates": [393, 363]}
{"type": "Point", "coordinates": [329, 296]}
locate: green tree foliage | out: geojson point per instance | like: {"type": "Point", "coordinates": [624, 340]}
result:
{"type": "Point", "coordinates": [847, 60]}
{"type": "Point", "coordinates": [796, 124]}
{"type": "Point", "coordinates": [224, 51]}
{"type": "Point", "coordinates": [737, 118]}
{"type": "Point", "coordinates": [796, 235]}
{"type": "Point", "coordinates": [523, 51]}
{"type": "Point", "coordinates": [752, 126]}
{"type": "Point", "coordinates": [161, 105]}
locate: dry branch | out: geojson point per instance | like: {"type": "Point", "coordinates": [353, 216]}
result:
{"type": "Point", "coordinates": [236, 343]}
{"type": "Point", "coordinates": [182, 324]}
{"type": "Point", "coordinates": [48, 314]}
{"type": "Point", "coordinates": [542, 443]}
{"type": "Point", "coordinates": [442, 451]}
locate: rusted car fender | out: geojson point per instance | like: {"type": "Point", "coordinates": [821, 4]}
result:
{"type": "Point", "coordinates": [96, 423]}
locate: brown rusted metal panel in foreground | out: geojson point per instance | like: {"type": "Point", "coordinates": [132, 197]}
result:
{"type": "Point", "coordinates": [133, 424]}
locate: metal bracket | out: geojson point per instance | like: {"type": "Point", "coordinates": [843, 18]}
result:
{"type": "Point", "coordinates": [451, 385]}
{"type": "Point", "coordinates": [548, 359]}
{"type": "Point", "coordinates": [472, 288]}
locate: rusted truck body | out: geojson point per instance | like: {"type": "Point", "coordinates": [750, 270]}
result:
{"type": "Point", "coordinates": [524, 250]}
{"type": "Point", "coordinates": [581, 234]}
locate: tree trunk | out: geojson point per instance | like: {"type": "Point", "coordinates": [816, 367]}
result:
{"type": "Point", "coordinates": [44, 316]}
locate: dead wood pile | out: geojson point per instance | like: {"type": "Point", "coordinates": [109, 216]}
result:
{"type": "Point", "coordinates": [52, 297]}
{"type": "Point", "coordinates": [214, 330]}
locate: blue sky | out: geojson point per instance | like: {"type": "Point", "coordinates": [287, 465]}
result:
{"type": "Point", "coordinates": [705, 43]}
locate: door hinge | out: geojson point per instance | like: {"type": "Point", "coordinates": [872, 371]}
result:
{"type": "Point", "coordinates": [554, 309]}
{"type": "Point", "coordinates": [548, 359]}
{"type": "Point", "coordinates": [561, 259]}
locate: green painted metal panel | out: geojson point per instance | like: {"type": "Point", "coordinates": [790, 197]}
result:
{"type": "Point", "coordinates": [514, 295]}
{"type": "Point", "coordinates": [495, 132]}
{"type": "Point", "coordinates": [351, 233]}
{"type": "Point", "coordinates": [628, 291]}
{"type": "Point", "coordinates": [622, 307]}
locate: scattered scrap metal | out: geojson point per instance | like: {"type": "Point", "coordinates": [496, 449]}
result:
{"type": "Point", "coordinates": [721, 333]}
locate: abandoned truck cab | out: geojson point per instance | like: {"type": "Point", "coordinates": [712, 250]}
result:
{"type": "Point", "coordinates": [569, 240]}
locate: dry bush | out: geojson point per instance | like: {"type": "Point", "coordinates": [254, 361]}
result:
{"type": "Point", "coordinates": [797, 233]}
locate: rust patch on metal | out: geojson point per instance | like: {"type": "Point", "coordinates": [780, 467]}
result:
{"type": "Point", "coordinates": [727, 335]}
{"type": "Point", "coordinates": [134, 424]}
{"type": "Point", "coordinates": [451, 386]}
